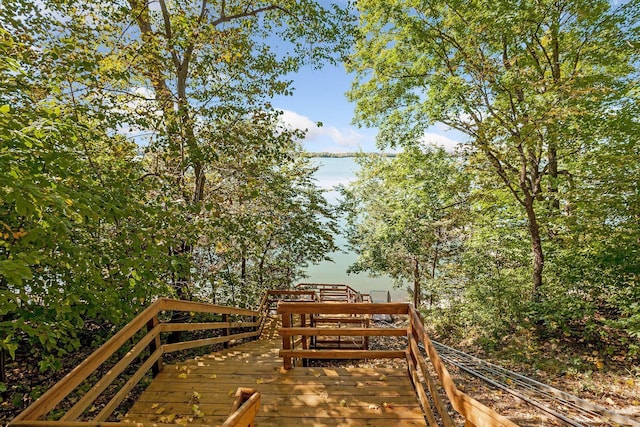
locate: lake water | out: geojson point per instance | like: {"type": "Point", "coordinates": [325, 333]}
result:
{"type": "Point", "coordinates": [332, 172]}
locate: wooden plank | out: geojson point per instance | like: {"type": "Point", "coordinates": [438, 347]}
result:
{"type": "Point", "coordinates": [342, 308]}
{"type": "Point", "coordinates": [286, 340]}
{"type": "Point", "coordinates": [194, 378]}
{"type": "Point", "coordinates": [175, 327]}
{"type": "Point", "coordinates": [42, 423]}
{"type": "Point", "coordinates": [296, 292]}
{"type": "Point", "coordinates": [221, 398]}
{"type": "Point", "coordinates": [128, 386]}
{"type": "Point", "coordinates": [244, 408]}
{"type": "Point", "coordinates": [433, 390]}
{"type": "Point", "coordinates": [62, 388]}
{"type": "Point", "coordinates": [422, 396]}
{"type": "Point", "coordinates": [169, 348]}
{"type": "Point", "coordinates": [222, 368]}
{"type": "Point", "coordinates": [343, 354]}
{"type": "Point", "coordinates": [468, 407]}
{"type": "Point", "coordinates": [358, 332]}
{"type": "Point", "coordinates": [213, 389]}
{"type": "Point", "coordinates": [201, 307]}
{"type": "Point", "coordinates": [300, 411]}
{"type": "Point", "coordinates": [110, 376]}
{"type": "Point", "coordinates": [345, 320]}
{"type": "Point", "coordinates": [154, 345]}
{"type": "Point", "coordinates": [277, 421]}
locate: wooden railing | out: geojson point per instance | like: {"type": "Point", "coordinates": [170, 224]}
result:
{"type": "Point", "coordinates": [141, 340]}
{"type": "Point", "coordinates": [244, 409]}
{"type": "Point", "coordinates": [145, 331]}
{"type": "Point", "coordinates": [328, 292]}
{"type": "Point", "coordinates": [296, 316]}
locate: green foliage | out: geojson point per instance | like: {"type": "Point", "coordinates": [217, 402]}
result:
{"type": "Point", "coordinates": [547, 94]}
{"type": "Point", "coordinates": [135, 140]}
{"type": "Point", "coordinates": [73, 221]}
{"type": "Point", "coordinates": [404, 217]}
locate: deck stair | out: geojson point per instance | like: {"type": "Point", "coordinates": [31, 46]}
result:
{"type": "Point", "coordinates": [337, 293]}
{"type": "Point", "coordinates": [249, 378]}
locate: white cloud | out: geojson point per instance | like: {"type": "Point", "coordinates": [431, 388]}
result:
{"type": "Point", "coordinates": [338, 138]}
{"type": "Point", "coordinates": [442, 141]}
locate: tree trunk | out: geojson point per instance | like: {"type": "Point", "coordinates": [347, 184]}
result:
{"type": "Point", "coordinates": [416, 283]}
{"type": "Point", "coordinates": [243, 270]}
{"type": "Point", "coordinates": [536, 248]}
{"type": "Point", "coordinates": [434, 266]}
{"type": "Point", "coordinates": [3, 371]}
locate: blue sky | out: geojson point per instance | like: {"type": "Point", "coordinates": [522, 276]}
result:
{"type": "Point", "coordinates": [319, 96]}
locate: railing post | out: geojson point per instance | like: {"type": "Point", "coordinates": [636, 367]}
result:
{"type": "Point", "coordinates": [286, 340]}
{"type": "Point", "coordinates": [305, 343]}
{"type": "Point", "coordinates": [256, 328]}
{"type": "Point", "coordinates": [225, 331]}
{"type": "Point", "coordinates": [154, 345]}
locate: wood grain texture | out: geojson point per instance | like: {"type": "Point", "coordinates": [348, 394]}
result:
{"type": "Point", "coordinates": [298, 397]}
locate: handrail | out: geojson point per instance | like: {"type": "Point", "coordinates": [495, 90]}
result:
{"type": "Point", "coordinates": [333, 289]}
{"type": "Point", "coordinates": [244, 408]}
{"type": "Point", "coordinates": [475, 413]}
{"type": "Point", "coordinates": [151, 340]}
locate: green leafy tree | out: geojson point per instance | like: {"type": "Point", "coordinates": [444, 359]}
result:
{"type": "Point", "coordinates": [190, 76]}
{"type": "Point", "coordinates": [92, 228]}
{"type": "Point", "coordinates": [271, 219]}
{"type": "Point", "coordinates": [74, 218]}
{"type": "Point", "coordinates": [532, 84]}
{"type": "Point", "coordinates": [405, 219]}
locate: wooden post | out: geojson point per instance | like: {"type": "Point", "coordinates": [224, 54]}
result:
{"type": "Point", "coordinates": [305, 344]}
{"type": "Point", "coordinates": [312, 323]}
{"type": "Point", "coordinates": [225, 331]}
{"type": "Point", "coordinates": [286, 340]}
{"type": "Point", "coordinates": [155, 345]}
{"type": "Point", "coordinates": [254, 319]}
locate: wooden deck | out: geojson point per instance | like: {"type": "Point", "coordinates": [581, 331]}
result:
{"type": "Point", "coordinates": [202, 392]}
{"type": "Point", "coordinates": [301, 396]}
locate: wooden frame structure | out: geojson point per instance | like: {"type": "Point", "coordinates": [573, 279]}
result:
{"type": "Point", "coordinates": [140, 341]}
{"type": "Point", "coordinates": [475, 413]}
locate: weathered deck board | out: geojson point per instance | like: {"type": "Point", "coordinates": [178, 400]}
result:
{"type": "Point", "coordinates": [300, 397]}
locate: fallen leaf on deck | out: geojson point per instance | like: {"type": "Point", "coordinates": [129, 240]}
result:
{"type": "Point", "coordinates": [343, 403]}
{"type": "Point", "coordinates": [155, 405]}
{"type": "Point", "coordinates": [197, 411]}
{"type": "Point", "coordinates": [182, 375]}
{"type": "Point", "coordinates": [383, 377]}
{"type": "Point", "coordinates": [359, 385]}
{"type": "Point", "coordinates": [167, 418]}
{"type": "Point", "coordinates": [259, 381]}
{"type": "Point", "coordinates": [160, 410]}
{"type": "Point", "coordinates": [213, 376]}
{"type": "Point", "coordinates": [374, 407]}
